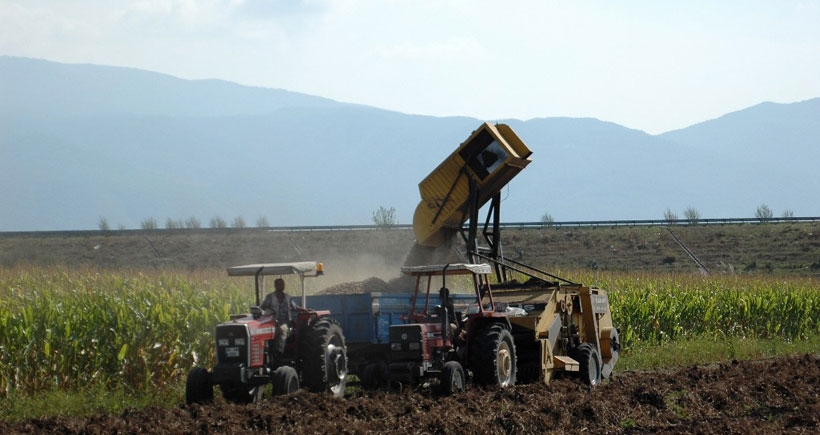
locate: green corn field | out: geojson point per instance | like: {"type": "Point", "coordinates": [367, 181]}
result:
{"type": "Point", "coordinates": [61, 330]}
{"type": "Point", "coordinates": [142, 331]}
{"type": "Point", "coordinates": [671, 308]}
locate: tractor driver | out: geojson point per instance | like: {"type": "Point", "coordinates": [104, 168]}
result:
{"type": "Point", "coordinates": [279, 304]}
{"type": "Point", "coordinates": [450, 310]}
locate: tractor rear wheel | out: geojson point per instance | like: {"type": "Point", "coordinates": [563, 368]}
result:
{"type": "Point", "coordinates": [492, 356]}
{"type": "Point", "coordinates": [285, 381]}
{"type": "Point", "coordinates": [452, 377]}
{"type": "Point", "coordinates": [198, 387]}
{"type": "Point", "coordinates": [589, 368]}
{"type": "Point", "coordinates": [324, 357]}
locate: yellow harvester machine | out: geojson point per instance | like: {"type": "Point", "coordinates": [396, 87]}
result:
{"type": "Point", "coordinates": [557, 325]}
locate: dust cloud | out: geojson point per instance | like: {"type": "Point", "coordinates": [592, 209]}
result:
{"type": "Point", "coordinates": [357, 267]}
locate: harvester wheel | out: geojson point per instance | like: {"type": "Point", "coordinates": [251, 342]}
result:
{"type": "Point", "coordinates": [589, 368]}
{"type": "Point", "coordinates": [492, 357]}
{"type": "Point", "coordinates": [198, 386]}
{"type": "Point", "coordinates": [452, 377]}
{"type": "Point", "coordinates": [528, 372]}
{"type": "Point", "coordinates": [324, 358]}
{"type": "Point", "coordinates": [285, 381]}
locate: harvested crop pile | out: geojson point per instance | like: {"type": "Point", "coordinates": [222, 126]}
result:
{"type": "Point", "coordinates": [367, 286]}
{"type": "Point", "coordinates": [402, 284]}
{"type": "Point", "coordinates": [418, 255]}
{"type": "Point", "coordinates": [761, 396]}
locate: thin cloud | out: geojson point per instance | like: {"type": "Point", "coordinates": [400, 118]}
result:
{"type": "Point", "coordinates": [455, 46]}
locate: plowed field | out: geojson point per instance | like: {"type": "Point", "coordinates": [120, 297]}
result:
{"type": "Point", "coordinates": [762, 396]}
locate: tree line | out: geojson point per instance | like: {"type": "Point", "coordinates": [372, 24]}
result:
{"type": "Point", "coordinates": [192, 222]}
{"type": "Point", "coordinates": [382, 216]}
{"type": "Point", "coordinates": [386, 217]}
{"type": "Point", "coordinates": [692, 215]}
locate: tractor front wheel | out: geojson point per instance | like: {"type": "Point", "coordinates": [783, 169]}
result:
{"type": "Point", "coordinates": [452, 377]}
{"type": "Point", "coordinates": [198, 387]}
{"type": "Point", "coordinates": [285, 381]}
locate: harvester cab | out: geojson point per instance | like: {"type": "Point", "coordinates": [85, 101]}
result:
{"type": "Point", "coordinates": [451, 345]}
{"type": "Point", "coordinates": [314, 357]}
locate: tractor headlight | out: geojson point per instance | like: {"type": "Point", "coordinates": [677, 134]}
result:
{"type": "Point", "coordinates": [223, 342]}
{"type": "Point", "coordinates": [239, 342]}
{"type": "Point", "coordinates": [395, 346]}
{"type": "Point", "coordinates": [414, 346]}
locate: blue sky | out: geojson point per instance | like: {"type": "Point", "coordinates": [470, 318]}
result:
{"type": "Point", "coordinates": [649, 65]}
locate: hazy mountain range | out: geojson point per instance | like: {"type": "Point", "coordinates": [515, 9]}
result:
{"type": "Point", "coordinates": [80, 142]}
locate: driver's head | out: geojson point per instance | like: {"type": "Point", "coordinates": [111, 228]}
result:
{"type": "Point", "coordinates": [279, 284]}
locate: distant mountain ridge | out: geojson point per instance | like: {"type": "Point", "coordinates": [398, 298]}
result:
{"type": "Point", "coordinates": [80, 142]}
{"type": "Point", "coordinates": [82, 89]}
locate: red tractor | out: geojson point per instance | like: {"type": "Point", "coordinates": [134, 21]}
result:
{"type": "Point", "coordinates": [439, 342]}
{"type": "Point", "coordinates": [315, 355]}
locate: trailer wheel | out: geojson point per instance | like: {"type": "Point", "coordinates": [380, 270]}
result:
{"type": "Point", "coordinates": [241, 394]}
{"type": "Point", "coordinates": [324, 358]}
{"type": "Point", "coordinates": [492, 357]}
{"type": "Point", "coordinates": [198, 387]}
{"type": "Point", "coordinates": [258, 393]}
{"type": "Point", "coordinates": [589, 368]}
{"type": "Point", "coordinates": [374, 376]}
{"type": "Point", "coordinates": [452, 377]}
{"type": "Point", "coordinates": [285, 381]}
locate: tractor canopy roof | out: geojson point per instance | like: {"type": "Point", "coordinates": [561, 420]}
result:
{"type": "Point", "coordinates": [449, 269]}
{"type": "Point", "coordinates": [304, 268]}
